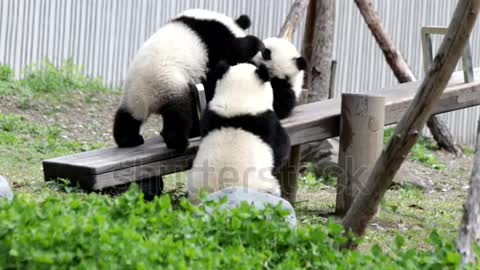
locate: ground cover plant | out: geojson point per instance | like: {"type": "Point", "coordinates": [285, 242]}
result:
{"type": "Point", "coordinates": [85, 231]}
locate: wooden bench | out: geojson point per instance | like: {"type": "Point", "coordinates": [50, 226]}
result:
{"type": "Point", "coordinates": [100, 169]}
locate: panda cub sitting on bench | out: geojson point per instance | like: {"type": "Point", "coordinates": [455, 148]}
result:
{"type": "Point", "coordinates": [243, 141]}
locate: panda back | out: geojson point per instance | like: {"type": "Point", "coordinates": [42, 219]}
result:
{"type": "Point", "coordinates": [229, 157]}
{"type": "Point", "coordinates": [173, 48]}
{"type": "Point", "coordinates": [162, 69]}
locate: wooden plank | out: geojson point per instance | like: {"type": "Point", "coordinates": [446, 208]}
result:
{"type": "Point", "coordinates": [310, 122]}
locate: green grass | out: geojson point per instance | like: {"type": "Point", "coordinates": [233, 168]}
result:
{"type": "Point", "coordinates": [422, 151]}
{"type": "Point", "coordinates": [45, 77]}
{"type": "Point", "coordinates": [23, 146]}
{"type": "Point", "coordinates": [6, 73]}
{"type": "Point", "coordinates": [415, 214]}
{"type": "Point", "coordinates": [83, 231]}
{"type": "Point", "coordinates": [469, 152]}
{"type": "Point", "coordinates": [312, 179]}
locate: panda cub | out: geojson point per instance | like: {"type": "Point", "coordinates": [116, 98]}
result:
{"type": "Point", "coordinates": [287, 70]}
{"type": "Point", "coordinates": [173, 59]}
{"type": "Point", "coordinates": [243, 140]}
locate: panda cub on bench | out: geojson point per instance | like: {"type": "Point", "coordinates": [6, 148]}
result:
{"type": "Point", "coordinates": [178, 55]}
{"type": "Point", "coordinates": [287, 68]}
{"type": "Point", "coordinates": [243, 140]}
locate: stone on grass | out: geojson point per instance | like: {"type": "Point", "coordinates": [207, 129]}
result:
{"type": "Point", "coordinates": [5, 190]}
{"type": "Point", "coordinates": [236, 195]}
{"type": "Point", "coordinates": [408, 176]}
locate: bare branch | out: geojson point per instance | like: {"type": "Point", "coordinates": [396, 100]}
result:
{"type": "Point", "coordinates": [470, 230]}
{"type": "Point", "coordinates": [293, 18]}
{"type": "Point", "coordinates": [402, 72]}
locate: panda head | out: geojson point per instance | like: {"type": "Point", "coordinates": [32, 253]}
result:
{"type": "Point", "coordinates": [243, 89]}
{"type": "Point", "coordinates": [283, 60]}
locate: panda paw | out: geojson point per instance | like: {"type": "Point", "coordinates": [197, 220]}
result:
{"type": "Point", "coordinates": [130, 141]}
{"type": "Point", "coordinates": [178, 143]}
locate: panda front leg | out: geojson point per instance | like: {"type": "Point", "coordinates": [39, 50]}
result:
{"type": "Point", "coordinates": [177, 123]}
{"type": "Point", "coordinates": [126, 129]}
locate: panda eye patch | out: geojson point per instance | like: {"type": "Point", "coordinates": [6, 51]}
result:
{"type": "Point", "coordinates": [267, 54]}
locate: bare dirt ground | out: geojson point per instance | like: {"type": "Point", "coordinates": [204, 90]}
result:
{"type": "Point", "coordinates": [85, 117]}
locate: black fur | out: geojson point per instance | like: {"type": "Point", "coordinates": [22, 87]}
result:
{"type": "Point", "coordinates": [126, 129]}
{"type": "Point", "coordinates": [221, 43]}
{"type": "Point", "coordinates": [263, 73]}
{"type": "Point", "coordinates": [265, 125]}
{"type": "Point", "coordinates": [243, 21]}
{"type": "Point", "coordinates": [284, 99]}
{"type": "Point", "coordinates": [213, 75]}
{"type": "Point", "coordinates": [301, 63]}
{"type": "Point", "coordinates": [178, 122]}
{"type": "Point", "coordinates": [267, 54]}
{"type": "Point", "coordinates": [220, 70]}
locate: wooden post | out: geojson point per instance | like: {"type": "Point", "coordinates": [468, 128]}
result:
{"type": "Point", "coordinates": [470, 229]}
{"type": "Point", "coordinates": [408, 129]}
{"type": "Point", "coordinates": [361, 141]}
{"type": "Point", "coordinates": [402, 72]}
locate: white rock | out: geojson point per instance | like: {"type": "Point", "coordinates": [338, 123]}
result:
{"type": "Point", "coordinates": [235, 197]}
{"type": "Point", "coordinates": [5, 190]}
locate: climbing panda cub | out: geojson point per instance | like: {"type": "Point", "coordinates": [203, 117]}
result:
{"type": "Point", "coordinates": [172, 60]}
{"type": "Point", "coordinates": [287, 71]}
{"type": "Point", "coordinates": [243, 141]}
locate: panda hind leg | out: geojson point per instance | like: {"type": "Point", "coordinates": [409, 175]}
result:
{"type": "Point", "coordinates": [177, 123]}
{"type": "Point", "coordinates": [126, 129]}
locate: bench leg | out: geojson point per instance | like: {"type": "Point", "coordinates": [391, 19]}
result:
{"type": "Point", "coordinates": [151, 187]}
{"type": "Point", "coordinates": [288, 176]}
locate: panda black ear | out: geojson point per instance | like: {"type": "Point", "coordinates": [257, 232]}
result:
{"type": "Point", "coordinates": [262, 73]}
{"type": "Point", "coordinates": [301, 63]}
{"type": "Point", "coordinates": [246, 48]}
{"type": "Point", "coordinates": [267, 54]}
{"type": "Point", "coordinates": [220, 69]}
{"type": "Point", "coordinates": [243, 21]}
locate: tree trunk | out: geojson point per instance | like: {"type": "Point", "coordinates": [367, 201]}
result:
{"type": "Point", "coordinates": [318, 42]}
{"type": "Point", "coordinates": [408, 129]}
{"type": "Point", "coordinates": [318, 47]}
{"type": "Point", "coordinates": [293, 18]}
{"type": "Point", "coordinates": [402, 71]}
{"type": "Point", "coordinates": [470, 229]}
{"type": "Point", "coordinates": [288, 176]}
{"type": "Point", "coordinates": [442, 135]}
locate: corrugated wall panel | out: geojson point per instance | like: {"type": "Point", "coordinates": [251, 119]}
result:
{"type": "Point", "coordinates": [103, 35]}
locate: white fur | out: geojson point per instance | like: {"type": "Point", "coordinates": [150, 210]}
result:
{"type": "Point", "coordinates": [231, 157]}
{"type": "Point", "coordinates": [203, 14]}
{"type": "Point", "coordinates": [282, 63]}
{"type": "Point", "coordinates": [240, 91]}
{"type": "Point", "coordinates": [161, 70]}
